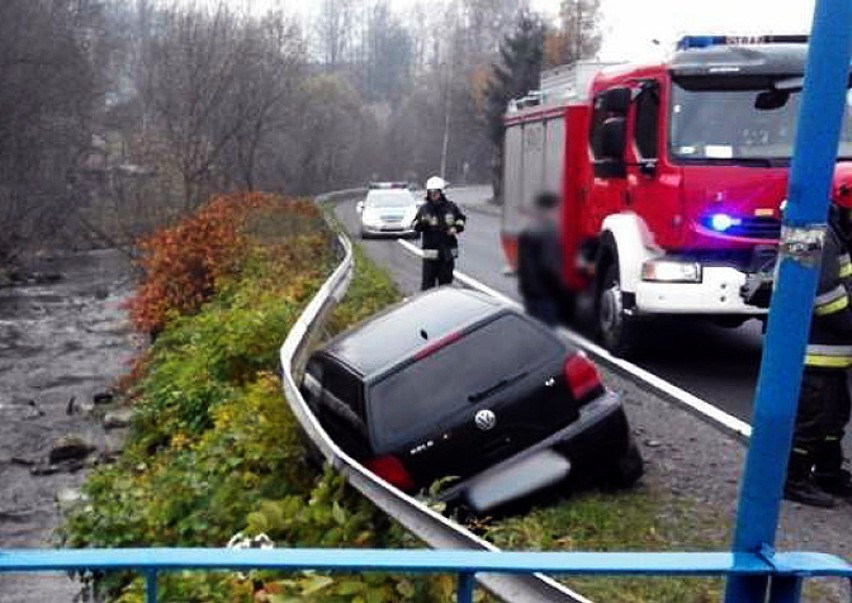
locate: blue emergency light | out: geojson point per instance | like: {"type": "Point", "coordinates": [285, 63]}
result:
{"type": "Point", "coordinates": [688, 42]}
{"type": "Point", "coordinates": [721, 222]}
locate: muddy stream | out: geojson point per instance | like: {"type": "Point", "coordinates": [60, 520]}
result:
{"type": "Point", "coordinates": [62, 344]}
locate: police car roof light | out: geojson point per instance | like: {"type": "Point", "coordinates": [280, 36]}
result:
{"type": "Point", "coordinates": [386, 185]}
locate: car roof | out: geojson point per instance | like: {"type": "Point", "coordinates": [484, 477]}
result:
{"type": "Point", "coordinates": [758, 59]}
{"type": "Point", "coordinates": [397, 334]}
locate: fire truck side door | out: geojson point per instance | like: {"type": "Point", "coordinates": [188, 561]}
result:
{"type": "Point", "coordinates": [607, 138]}
{"type": "Point", "coordinates": [652, 189]}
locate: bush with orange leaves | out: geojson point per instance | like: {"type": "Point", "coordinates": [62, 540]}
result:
{"type": "Point", "coordinates": [184, 264]}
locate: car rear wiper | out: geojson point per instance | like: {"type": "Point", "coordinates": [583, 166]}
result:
{"type": "Point", "coordinates": [502, 384]}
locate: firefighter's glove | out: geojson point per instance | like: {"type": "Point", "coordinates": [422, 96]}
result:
{"type": "Point", "coordinates": [757, 289]}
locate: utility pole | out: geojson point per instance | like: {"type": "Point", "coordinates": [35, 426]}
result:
{"type": "Point", "coordinates": [446, 143]}
{"type": "Point", "coordinates": [448, 100]}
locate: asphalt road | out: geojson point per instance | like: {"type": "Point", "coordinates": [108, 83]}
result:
{"type": "Point", "coordinates": [717, 364]}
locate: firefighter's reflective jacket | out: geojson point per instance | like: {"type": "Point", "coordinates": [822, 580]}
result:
{"type": "Point", "coordinates": [830, 342]}
{"type": "Point", "coordinates": [439, 222]}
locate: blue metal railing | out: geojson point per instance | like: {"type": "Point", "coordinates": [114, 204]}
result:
{"type": "Point", "coordinates": [784, 571]}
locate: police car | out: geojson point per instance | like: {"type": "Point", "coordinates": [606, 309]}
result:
{"type": "Point", "coordinates": [388, 210]}
{"type": "Point", "coordinates": [453, 383]}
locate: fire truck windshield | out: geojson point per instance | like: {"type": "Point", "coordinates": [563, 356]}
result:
{"type": "Point", "coordinates": [745, 126]}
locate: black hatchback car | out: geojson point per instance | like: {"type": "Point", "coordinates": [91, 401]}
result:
{"type": "Point", "coordinates": [451, 383]}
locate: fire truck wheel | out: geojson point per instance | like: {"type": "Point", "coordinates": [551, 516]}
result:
{"type": "Point", "coordinates": [615, 329]}
{"type": "Point", "coordinates": [568, 308]}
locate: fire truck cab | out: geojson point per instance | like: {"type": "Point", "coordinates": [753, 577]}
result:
{"type": "Point", "coordinates": [671, 177]}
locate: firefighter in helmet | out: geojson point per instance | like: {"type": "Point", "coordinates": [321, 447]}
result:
{"type": "Point", "coordinates": [440, 221]}
{"type": "Point", "coordinates": [815, 473]}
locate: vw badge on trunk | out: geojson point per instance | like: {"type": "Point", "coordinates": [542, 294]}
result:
{"type": "Point", "coordinates": [485, 419]}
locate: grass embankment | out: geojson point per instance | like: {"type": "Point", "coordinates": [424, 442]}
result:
{"type": "Point", "coordinates": [213, 448]}
{"type": "Point", "coordinates": [641, 519]}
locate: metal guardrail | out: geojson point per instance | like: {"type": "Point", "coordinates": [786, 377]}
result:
{"type": "Point", "coordinates": [424, 522]}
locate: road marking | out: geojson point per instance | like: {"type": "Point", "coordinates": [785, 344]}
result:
{"type": "Point", "coordinates": [636, 373]}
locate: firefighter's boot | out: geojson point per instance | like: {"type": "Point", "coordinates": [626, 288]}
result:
{"type": "Point", "coordinates": [800, 485]}
{"type": "Point", "coordinates": [829, 474]}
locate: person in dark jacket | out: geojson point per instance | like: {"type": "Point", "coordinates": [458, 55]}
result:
{"type": "Point", "coordinates": [439, 221]}
{"type": "Point", "coordinates": [815, 473]}
{"type": "Point", "coordinates": [540, 262]}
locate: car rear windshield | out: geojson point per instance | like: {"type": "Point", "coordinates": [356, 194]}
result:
{"type": "Point", "coordinates": [413, 401]}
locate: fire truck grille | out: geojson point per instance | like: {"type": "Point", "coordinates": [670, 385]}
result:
{"type": "Point", "coordinates": [756, 228]}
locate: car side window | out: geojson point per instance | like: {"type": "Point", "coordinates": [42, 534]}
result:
{"type": "Point", "coordinates": [342, 396]}
{"type": "Point", "coordinates": [312, 383]}
{"type": "Point", "coordinates": [599, 115]}
{"type": "Point", "coordinates": [647, 120]}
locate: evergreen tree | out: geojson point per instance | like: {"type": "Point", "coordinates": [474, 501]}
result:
{"type": "Point", "coordinates": [517, 72]}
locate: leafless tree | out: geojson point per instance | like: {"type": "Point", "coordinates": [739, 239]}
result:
{"type": "Point", "coordinates": [334, 29]}
{"type": "Point", "coordinates": [578, 35]}
{"type": "Point", "coordinates": [131, 112]}
{"type": "Point", "coordinates": [266, 90]}
{"type": "Point", "coordinates": [46, 101]}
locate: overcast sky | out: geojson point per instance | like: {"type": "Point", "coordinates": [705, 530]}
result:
{"type": "Point", "coordinates": [630, 26]}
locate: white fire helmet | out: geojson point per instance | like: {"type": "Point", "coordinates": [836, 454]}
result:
{"type": "Point", "coordinates": [435, 183]}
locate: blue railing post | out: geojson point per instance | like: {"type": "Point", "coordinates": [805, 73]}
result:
{"type": "Point", "coordinates": [785, 589]}
{"type": "Point", "coordinates": [151, 586]}
{"type": "Point", "coordinates": [466, 583]}
{"type": "Point", "coordinates": [820, 118]}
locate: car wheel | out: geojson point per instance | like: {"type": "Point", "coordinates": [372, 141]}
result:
{"type": "Point", "coordinates": [364, 234]}
{"type": "Point", "coordinates": [629, 468]}
{"type": "Point", "coordinates": [615, 328]}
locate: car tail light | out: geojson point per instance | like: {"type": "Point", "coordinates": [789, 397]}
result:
{"type": "Point", "coordinates": [391, 469]}
{"type": "Point", "coordinates": [582, 376]}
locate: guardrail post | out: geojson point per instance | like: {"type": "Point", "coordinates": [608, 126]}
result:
{"type": "Point", "coordinates": [151, 586]}
{"type": "Point", "coordinates": [785, 589]}
{"type": "Point", "coordinates": [821, 113]}
{"type": "Point", "coordinates": [464, 594]}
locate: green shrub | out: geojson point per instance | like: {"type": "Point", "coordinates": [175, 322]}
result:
{"type": "Point", "coordinates": [215, 450]}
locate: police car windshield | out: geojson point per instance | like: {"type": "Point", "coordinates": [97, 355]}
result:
{"type": "Point", "coordinates": [749, 126]}
{"type": "Point", "coordinates": [390, 199]}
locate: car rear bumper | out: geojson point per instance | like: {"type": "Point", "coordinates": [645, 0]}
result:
{"type": "Point", "coordinates": [593, 442]}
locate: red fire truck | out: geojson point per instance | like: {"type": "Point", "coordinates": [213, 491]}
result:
{"type": "Point", "coordinates": [671, 177]}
